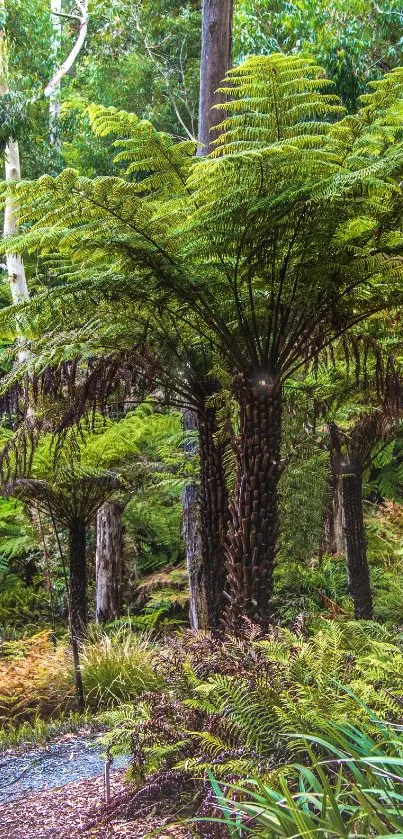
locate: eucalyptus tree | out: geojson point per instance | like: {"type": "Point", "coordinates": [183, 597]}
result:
{"type": "Point", "coordinates": [215, 62]}
{"type": "Point", "coordinates": [356, 42]}
{"type": "Point", "coordinates": [276, 244]}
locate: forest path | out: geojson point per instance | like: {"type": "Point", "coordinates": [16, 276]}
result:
{"type": "Point", "coordinates": [74, 757]}
{"type": "Point", "coordinates": [65, 812]}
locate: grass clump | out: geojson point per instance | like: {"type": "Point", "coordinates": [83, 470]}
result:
{"type": "Point", "coordinates": [117, 668]}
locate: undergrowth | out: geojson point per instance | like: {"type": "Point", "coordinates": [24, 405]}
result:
{"type": "Point", "coordinates": [35, 680]}
{"type": "Point", "coordinates": [228, 707]}
{"type": "Point", "coordinates": [118, 667]}
{"type": "Point", "coordinates": [39, 731]}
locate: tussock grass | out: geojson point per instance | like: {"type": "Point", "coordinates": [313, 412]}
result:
{"type": "Point", "coordinates": [117, 668]}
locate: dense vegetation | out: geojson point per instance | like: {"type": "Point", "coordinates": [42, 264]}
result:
{"type": "Point", "coordinates": [201, 397]}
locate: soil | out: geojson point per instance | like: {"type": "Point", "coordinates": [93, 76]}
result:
{"type": "Point", "coordinates": [57, 792]}
{"type": "Point", "coordinates": [63, 813]}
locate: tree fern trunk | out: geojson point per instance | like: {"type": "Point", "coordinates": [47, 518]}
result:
{"type": "Point", "coordinates": [355, 543]}
{"type": "Point", "coordinates": [253, 529]}
{"type": "Point", "coordinates": [78, 579]}
{"type": "Point", "coordinates": [108, 562]}
{"type": "Point", "coordinates": [213, 515]}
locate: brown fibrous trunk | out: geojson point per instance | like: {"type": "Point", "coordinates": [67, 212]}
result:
{"type": "Point", "coordinates": [253, 529]}
{"type": "Point", "coordinates": [355, 542]}
{"type": "Point", "coordinates": [213, 515]}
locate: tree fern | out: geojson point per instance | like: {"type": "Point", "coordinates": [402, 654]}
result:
{"type": "Point", "coordinates": [272, 248]}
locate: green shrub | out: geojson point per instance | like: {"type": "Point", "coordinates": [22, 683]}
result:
{"type": "Point", "coordinates": [40, 731]}
{"type": "Point", "coordinates": [117, 668]}
{"type": "Point", "coordinates": [231, 703]}
{"type": "Point", "coordinates": [22, 606]}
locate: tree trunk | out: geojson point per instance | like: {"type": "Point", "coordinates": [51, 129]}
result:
{"type": "Point", "coordinates": [356, 548]}
{"type": "Point", "coordinates": [198, 614]}
{"type": "Point", "coordinates": [78, 579]}
{"type": "Point", "coordinates": [109, 561]}
{"type": "Point", "coordinates": [333, 524]}
{"type": "Point", "coordinates": [215, 63]}
{"type": "Point", "coordinates": [253, 530]}
{"type": "Point", "coordinates": [54, 98]}
{"type": "Point", "coordinates": [213, 515]}
{"type": "Point", "coordinates": [15, 265]}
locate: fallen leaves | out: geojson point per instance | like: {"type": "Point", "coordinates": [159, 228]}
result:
{"type": "Point", "coordinates": [62, 813]}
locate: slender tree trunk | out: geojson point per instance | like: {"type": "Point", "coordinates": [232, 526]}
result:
{"type": "Point", "coordinates": [215, 63]}
{"type": "Point", "coordinates": [198, 614]}
{"type": "Point", "coordinates": [55, 95]}
{"type": "Point", "coordinates": [201, 511]}
{"type": "Point", "coordinates": [253, 530]}
{"type": "Point", "coordinates": [213, 515]}
{"type": "Point", "coordinates": [109, 562]}
{"type": "Point", "coordinates": [15, 265]}
{"type": "Point", "coordinates": [78, 579]}
{"type": "Point", "coordinates": [333, 524]}
{"type": "Point", "coordinates": [355, 542]}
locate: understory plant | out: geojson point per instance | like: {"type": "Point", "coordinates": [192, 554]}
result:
{"type": "Point", "coordinates": [36, 679]}
{"type": "Point", "coordinates": [349, 785]}
{"type": "Point", "coordinates": [233, 709]}
{"type": "Point", "coordinates": [227, 704]}
{"type": "Point", "coordinates": [117, 668]}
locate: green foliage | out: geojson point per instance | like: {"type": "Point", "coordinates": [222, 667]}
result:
{"type": "Point", "coordinates": [162, 599]}
{"type": "Point", "coordinates": [16, 534]}
{"type": "Point", "coordinates": [177, 239]}
{"type": "Point", "coordinates": [117, 668]}
{"type": "Point", "coordinates": [386, 477]}
{"type": "Point", "coordinates": [303, 494]}
{"type": "Point", "coordinates": [355, 41]}
{"type": "Point", "coordinates": [23, 608]}
{"type": "Point", "coordinates": [229, 704]}
{"type": "Point", "coordinates": [152, 521]}
{"type": "Point", "coordinates": [353, 788]}
{"type": "Point", "coordinates": [39, 731]}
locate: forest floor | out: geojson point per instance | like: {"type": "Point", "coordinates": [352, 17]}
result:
{"type": "Point", "coordinates": [69, 811]}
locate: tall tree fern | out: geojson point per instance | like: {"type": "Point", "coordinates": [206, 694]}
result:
{"type": "Point", "coordinates": [285, 237]}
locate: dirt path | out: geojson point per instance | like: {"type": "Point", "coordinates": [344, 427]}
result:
{"type": "Point", "coordinates": [74, 757]}
{"type": "Point", "coordinates": [62, 813]}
